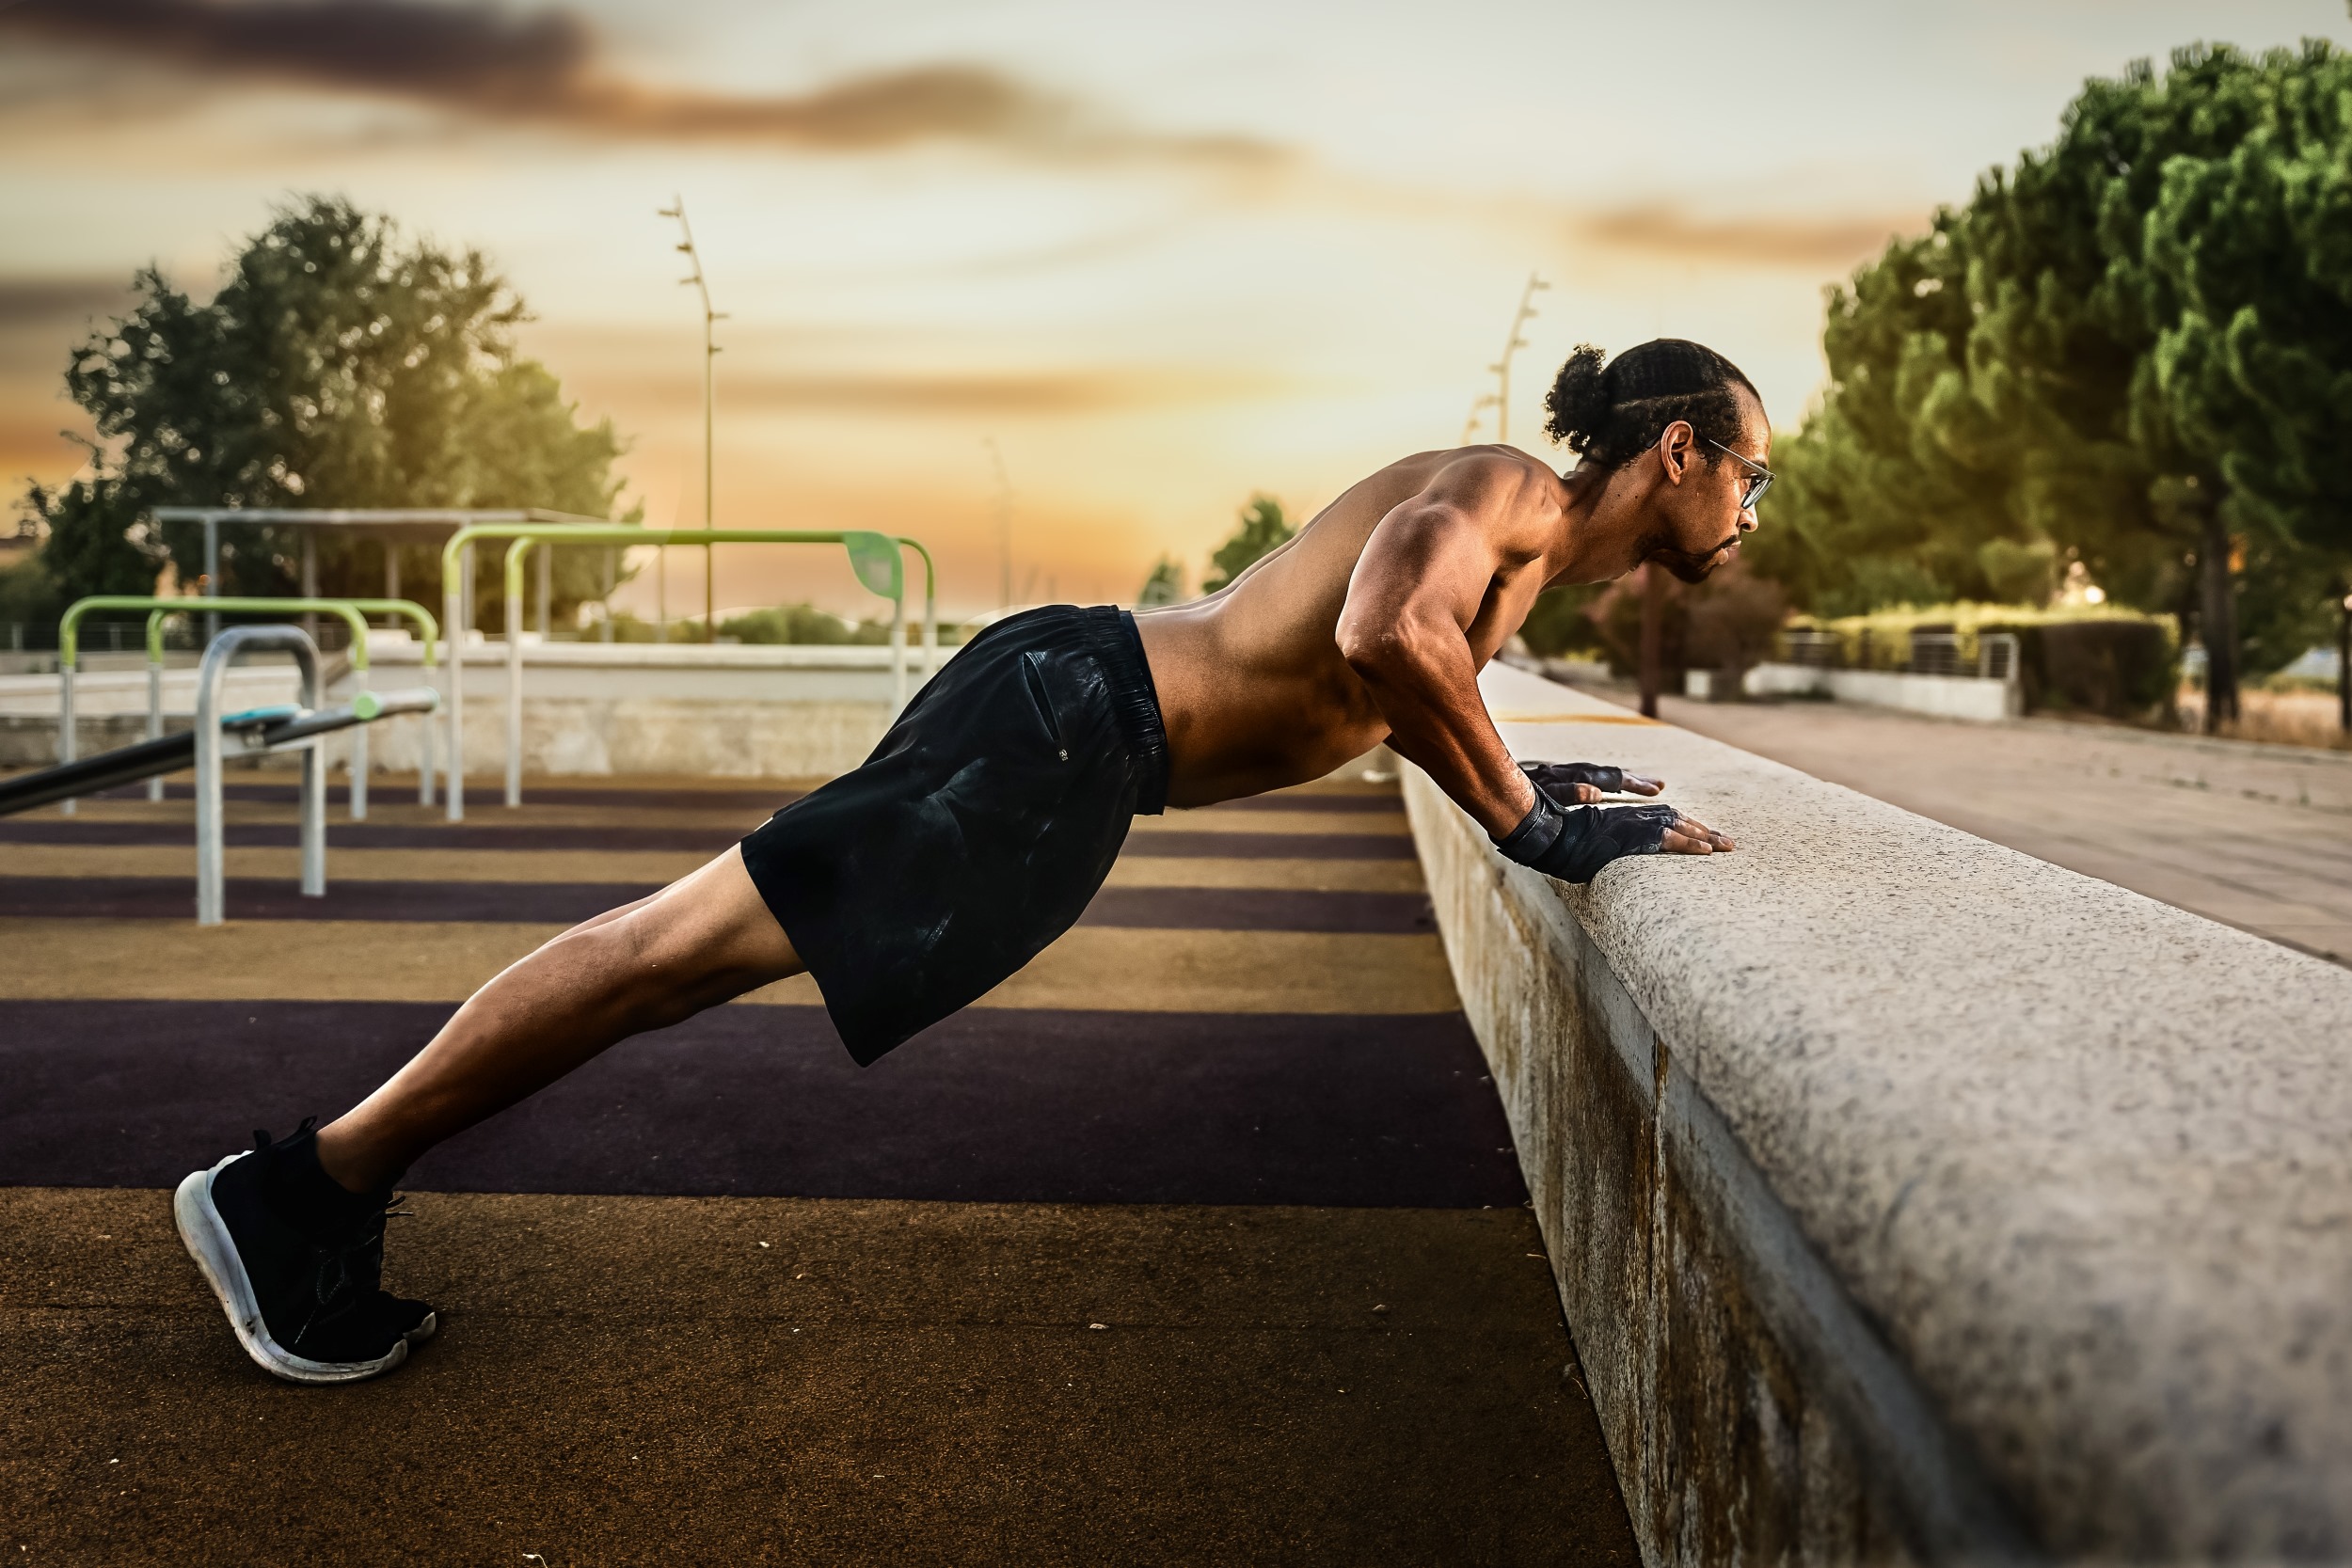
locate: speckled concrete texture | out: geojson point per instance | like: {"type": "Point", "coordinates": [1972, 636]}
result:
{"type": "Point", "coordinates": [2083, 1159]}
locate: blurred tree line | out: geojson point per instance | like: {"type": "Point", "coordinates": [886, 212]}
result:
{"type": "Point", "coordinates": [1260, 529]}
{"type": "Point", "coordinates": [338, 366]}
{"type": "Point", "coordinates": [2132, 352]}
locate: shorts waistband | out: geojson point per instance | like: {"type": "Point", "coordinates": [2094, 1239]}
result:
{"type": "Point", "coordinates": [1110, 633]}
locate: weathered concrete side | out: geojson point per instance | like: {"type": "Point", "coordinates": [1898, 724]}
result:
{"type": "Point", "coordinates": [1909, 1197]}
{"type": "Point", "coordinates": [589, 709]}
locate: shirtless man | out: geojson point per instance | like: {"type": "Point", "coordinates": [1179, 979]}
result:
{"type": "Point", "coordinates": [989, 815]}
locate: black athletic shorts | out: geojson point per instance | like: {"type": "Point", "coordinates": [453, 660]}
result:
{"type": "Point", "coordinates": [978, 829]}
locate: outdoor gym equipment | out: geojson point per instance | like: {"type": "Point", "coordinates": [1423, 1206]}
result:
{"type": "Point", "coordinates": [875, 558]}
{"type": "Point", "coordinates": [353, 611]}
{"type": "Point", "coordinates": [254, 730]}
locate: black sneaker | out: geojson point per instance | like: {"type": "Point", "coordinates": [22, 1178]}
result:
{"type": "Point", "coordinates": [296, 1261]}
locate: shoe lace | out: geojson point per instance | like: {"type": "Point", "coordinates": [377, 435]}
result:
{"type": "Point", "coordinates": [344, 1272]}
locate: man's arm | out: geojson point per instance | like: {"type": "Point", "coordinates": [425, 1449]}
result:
{"type": "Point", "coordinates": [1417, 589]}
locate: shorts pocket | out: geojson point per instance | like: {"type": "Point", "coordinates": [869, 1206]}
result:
{"type": "Point", "coordinates": [1033, 677]}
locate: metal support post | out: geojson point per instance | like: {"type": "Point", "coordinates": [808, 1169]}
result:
{"type": "Point", "coordinates": [155, 712]}
{"type": "Point", "coordinates": [456, 603]}
{"type": "Point", "coordinates": [898, 657]}
{"type": "Point", "coordinates": [358, 753]}
{"type": "Point", "coordinates": [310, 580]}
{"type": "Point", "coordinates": [211, 879]}
{"type": "Point", "coordinates": [514, 669]}
{"type": "Point", "coordinates": [546, 588]}
{"type": "Point", "coordinates": [67, 659]}
{"type": "Point", "coordinates": [212, 574]}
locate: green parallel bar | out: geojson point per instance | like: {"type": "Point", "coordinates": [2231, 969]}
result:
{"type": "Point", "coordinates": [351, 611]}
{"type": "Point", "coordinates": [871, 554]}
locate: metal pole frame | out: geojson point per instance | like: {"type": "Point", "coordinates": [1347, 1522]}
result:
{"type": "Point", "coordinates": [930, 611]}
{"type": "Point", "coordinates": [353, 611]}
{"type": "Point", "coordinates": [876, 559]}
{"type": "Point", "coordinates": [211, 878]}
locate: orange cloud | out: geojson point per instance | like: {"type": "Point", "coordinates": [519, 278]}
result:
{"type": "Point", "coordinates": [1830, 241]}
{"type": "Point", "coordinates": [1046, 392]}
{"type": "Point", "coordinates": [548, 68]}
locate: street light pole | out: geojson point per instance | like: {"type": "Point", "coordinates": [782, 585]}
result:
{"type": "Point", "coordinates": [1502, 367]}
{"type": "Point", "coordinates": [710, 351]}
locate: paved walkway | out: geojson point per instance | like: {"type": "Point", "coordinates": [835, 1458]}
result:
{"type": "Point", "coordinates": [1200, 1241]}
{"type": "Point", "coordinates": [2259, 837]}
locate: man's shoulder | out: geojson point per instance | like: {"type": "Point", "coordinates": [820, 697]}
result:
{"type": "Point", "coordinates": [1488, 478]}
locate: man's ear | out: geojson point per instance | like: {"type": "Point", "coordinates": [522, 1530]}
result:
{"type": "Point", "coordinates": [1676, 445]}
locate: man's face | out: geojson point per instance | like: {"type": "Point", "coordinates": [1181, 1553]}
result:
{"type": "Point", "coordinates": [1702, 521]}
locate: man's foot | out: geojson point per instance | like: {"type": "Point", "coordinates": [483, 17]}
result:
{"type": "Point", "coordinates": [296, 1261]}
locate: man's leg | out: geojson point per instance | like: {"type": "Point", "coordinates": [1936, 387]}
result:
{"type": "Point", "coordinates": [291, 1235]}
{"type": "Point", "coordinates": [705, 939]}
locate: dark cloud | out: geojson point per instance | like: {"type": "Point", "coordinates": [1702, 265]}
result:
{"type": "Point", "coordinates": [40, 301]}
{"type": "Point", "coordinates": [549, 68]}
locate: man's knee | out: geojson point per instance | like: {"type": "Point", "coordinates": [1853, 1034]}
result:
{"type": "Point", "coordinates": [699, 944]}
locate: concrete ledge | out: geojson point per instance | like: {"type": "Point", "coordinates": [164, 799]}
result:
{"type": "Point", "coordinates": [1944, 696]}
{"type": "Point", "coordinates": [1909, 1197]}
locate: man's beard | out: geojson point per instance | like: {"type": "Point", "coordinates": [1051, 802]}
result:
{"type": "Point", "coordinates": [1689, 568]}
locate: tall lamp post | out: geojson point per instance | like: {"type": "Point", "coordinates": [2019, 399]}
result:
{"type": "Point", "coordinates": [1500, 399]}
{"type": "Point", "coordinates": [710, 351]}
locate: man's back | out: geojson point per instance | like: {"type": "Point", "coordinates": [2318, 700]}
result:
{"type": "Point", "coordinates": [1253, 689]}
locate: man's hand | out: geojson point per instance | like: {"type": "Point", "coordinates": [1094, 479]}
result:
{"type": "Point", "coordinates": [1573, 846]}
{"type": "Point", "coordinates": [1582, 784]}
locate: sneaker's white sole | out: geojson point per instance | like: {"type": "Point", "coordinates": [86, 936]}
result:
{"type": "Point", "coordinates": [206, 1237]}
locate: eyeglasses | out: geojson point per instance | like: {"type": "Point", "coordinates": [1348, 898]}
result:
{"type": "Point", "coordinates": [1759, 477]}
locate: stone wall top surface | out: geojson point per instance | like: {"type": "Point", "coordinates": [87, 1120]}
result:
{"type": "Point", "coordinates": [2085, 1158]}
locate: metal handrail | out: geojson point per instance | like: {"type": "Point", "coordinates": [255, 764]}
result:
{"type": "Point", "coordinates": [930, 608]}
{"type": "Point", "coordinates": [871, 554]}
{"type": "Point", "coordinates": [210, 877]}
{"type": "Point", "coordinates": [354, 613]}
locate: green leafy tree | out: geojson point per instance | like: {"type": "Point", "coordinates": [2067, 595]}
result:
{"type": "Point", "coordinates": [2130, 352]}
{"type": "Point", "coordinates": [1165, 586]}
{"type": "Point", "coordinates": [339, 366]}
{"type": "Point", "coordinates": [2245, 277]}
{"type": "Point", "coordinates": [1890, 489]}
{"type": "Point", "coordinates": [1263, 530]}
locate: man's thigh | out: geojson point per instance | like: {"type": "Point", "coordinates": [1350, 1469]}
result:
{"type": "Point", "coordinates": [708, 931]}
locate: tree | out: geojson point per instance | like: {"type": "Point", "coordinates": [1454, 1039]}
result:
{"type": "Point", "coordinates": [1890, 492]}
{"type": "Point", "coordinates": [2246, 275]}
{"type": "Point", "coordinates": [1263, 530]}
{"type": "Point", "coordinates": [338, 366]}
{"type": "Point", "coordinates": [2130, 352]}
{"type": "Point", "coordinates": [1165, 586]}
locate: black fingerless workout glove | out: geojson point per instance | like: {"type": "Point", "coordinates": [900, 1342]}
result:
{"type": "Point", "coordinates": [1561, 777]}
{"type": "Point", "coordinates": [1574, 845]}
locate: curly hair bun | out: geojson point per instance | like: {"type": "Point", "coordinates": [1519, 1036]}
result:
{"type": "Point", "coordinates": [1608, 413]}
{"type": "Point", "coordinates": [1578, 402]}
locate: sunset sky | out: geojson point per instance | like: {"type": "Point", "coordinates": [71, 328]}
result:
{"type": "Point", "coordinates": [1164, 255]}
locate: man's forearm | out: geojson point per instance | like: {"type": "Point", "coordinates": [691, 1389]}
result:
{"type": "Point", "coordinates": [1438, 721]}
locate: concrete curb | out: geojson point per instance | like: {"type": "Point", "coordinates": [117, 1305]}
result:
{"type": "Point", "coordinates": [1909, 1196]}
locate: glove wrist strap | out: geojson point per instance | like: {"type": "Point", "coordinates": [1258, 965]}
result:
{"type": "Point", "coordinates": [1537, 832]}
